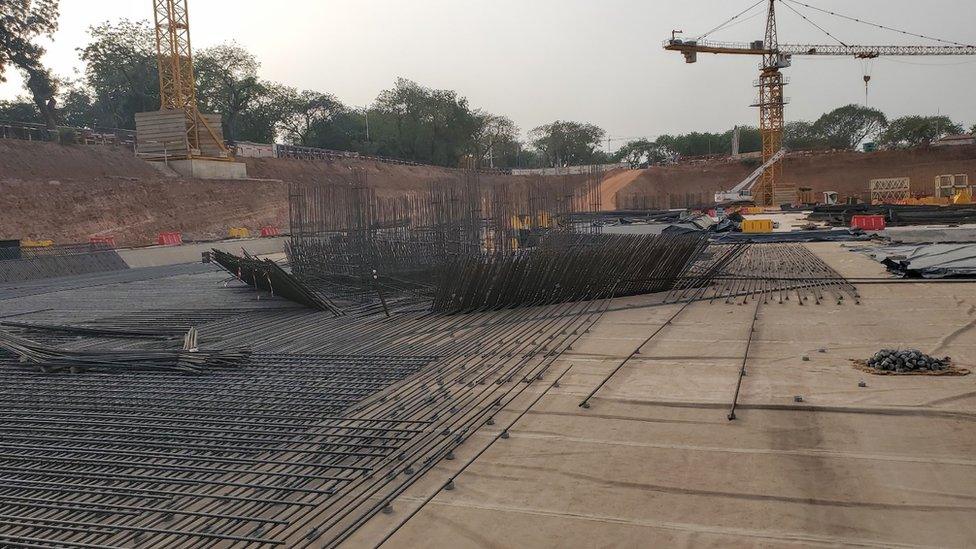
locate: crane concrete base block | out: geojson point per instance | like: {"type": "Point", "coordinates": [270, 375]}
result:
{"type": "Point", "coordinates": [202, 168]}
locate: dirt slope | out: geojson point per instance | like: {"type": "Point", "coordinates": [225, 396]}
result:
{"type": "Point", "coordinates": [68, 193]}
{"type": "Point", "coordinates": [613, 183]}
{"type": "Point", "coordinates": [845, 172]}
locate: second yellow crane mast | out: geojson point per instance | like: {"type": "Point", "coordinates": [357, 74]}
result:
{"type": "Point", "coordinates": [771, 103]}
{"type": "Point", "coordinates": [177, 85]}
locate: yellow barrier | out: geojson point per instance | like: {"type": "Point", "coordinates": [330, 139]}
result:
{"type": "Point", "coordinates": [757, 226]}
{"type": "Point", "coordinates": [36, 243]}
{"type": "Point", "coordinates": [239, 232]}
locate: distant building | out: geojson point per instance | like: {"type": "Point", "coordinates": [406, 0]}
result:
{"type": "Point", "coordinates": [954, 140]}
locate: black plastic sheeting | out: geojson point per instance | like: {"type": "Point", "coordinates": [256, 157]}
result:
{"type": "Point", "coordinates": [927, 260]}
{"type": "Point", "coordinates": [826, 235]}
{"type": "Point", "coordinates": [896, 214]}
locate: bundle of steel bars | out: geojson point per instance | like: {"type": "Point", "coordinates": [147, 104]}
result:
{"type": "Point", "coordinates": [567, 268]}
{"type": "Point", "coordinates": [53, 360]}
{"type": "Point", "coordinates": [778, 271]}
{"type": "Point", "coordinates": [267, 275]}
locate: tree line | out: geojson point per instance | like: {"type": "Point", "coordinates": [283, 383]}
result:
{"type": "Point", "coordinates": [846, 128]}
{"type": "Point", "coordinates": [407, 121]}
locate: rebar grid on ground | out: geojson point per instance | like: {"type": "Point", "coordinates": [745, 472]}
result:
{"type": "Point", "coordinates": [296, 447]}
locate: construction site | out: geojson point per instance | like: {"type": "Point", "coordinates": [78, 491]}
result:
{"type": "Point", "coordinates": [215, 344]}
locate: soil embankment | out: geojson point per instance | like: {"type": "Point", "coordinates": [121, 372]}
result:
{"type": "Point", "coordinates": [847, 173]}
{"type": "Point", "coordinates": [68, 193]}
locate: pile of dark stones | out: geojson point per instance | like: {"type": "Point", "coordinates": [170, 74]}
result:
{"type": "Point", "coordinates": [906, 360]}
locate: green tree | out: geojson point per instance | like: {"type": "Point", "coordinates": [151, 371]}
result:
{"type": "Point", "coordinates": [21, 23]}
{"type": "Point", "coordinates": [304, 113]}
{"type": "Point", "coordinates": [21, 109]}
{"type": "Point", "coordinates": [640, 152]}
{"type": "Point", "coordinates": [750, 139]}
{"type": "Point", "coordinates": [564, 143]}
{"type": "Point", "coordinates": [262, 121]}
{"type": "Point", "coordinates": [426, 125]}
{"type": "Point", "coordinates": [227, 83]}
{"type": "Point", "coordinates": [973, 130]}
{"type": "Point", "coordinates": [846, 127]}
{"type": "Point", "coordinates": [75, 107]}
{"type": "Point", "coordinates": [496, 137]}
{"type": "Point", "coordinates": [913, 131]}
{"type": "Point", "coordinates": [121, 71]}
{"type": "Point", "coordinates": [802, 135]}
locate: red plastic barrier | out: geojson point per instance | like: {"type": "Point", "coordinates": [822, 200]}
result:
{"type": "Point", "coordinates": [868, 222]}
{"type": "Point", "coordinates": [170, 239]}
{"type": "Point", "coordinates": [269, 231]}
{"type": "Point", "coordinates": [102, 241]}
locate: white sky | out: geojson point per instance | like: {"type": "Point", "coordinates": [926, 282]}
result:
{"type": "Point", "coordinates": [596, 61]}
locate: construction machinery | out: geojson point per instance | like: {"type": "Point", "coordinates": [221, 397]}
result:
{"type": "Point", "coordinates": [776, 56]}
{"type": "Point", "coordinates": [743, 191]}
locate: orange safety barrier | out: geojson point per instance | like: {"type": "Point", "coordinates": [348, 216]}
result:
{"type": "Point", "coordinates": [102, 241]}
{"type": "Point", "coordinates": [170, 239]}
{"type": "Point", "coordinates": [269, 231]}
{"type": "Point", "coordinates": [868, 222]}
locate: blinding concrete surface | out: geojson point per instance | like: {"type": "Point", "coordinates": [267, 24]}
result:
{"type": "Point", "coordinates": [157, 256]}
{"type": "Point", "coordinates": [655, 463]}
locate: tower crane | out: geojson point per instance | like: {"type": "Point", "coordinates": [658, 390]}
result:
{"type": "Point", "coordinates": [775, 57]}
{"type": "Point", "coordinates": [177, 86]}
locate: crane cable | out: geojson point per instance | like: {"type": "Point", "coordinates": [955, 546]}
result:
{"type": "Point", "coordinates": [730, 20]}
{"type": "Point", "coordinates": [880, 26]}
{"type": "Point", "coordinates": [823, 30]}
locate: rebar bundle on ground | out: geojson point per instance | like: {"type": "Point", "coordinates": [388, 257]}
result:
{"type": "Point", "coordinates": [53, 360]}
{"type": "Point", "coordinates": [267, 275]}
{"type": "Point", "coordinates": [567, 268]}
{"type": "Point", "coordinates": [771, 271]}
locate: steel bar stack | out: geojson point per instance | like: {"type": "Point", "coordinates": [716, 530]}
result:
{"type": "Point", "coordinates": [567, 267]}
{"type": "Point", "coordinates": [781, 272]}
{"type": "Point", "coordinates": [267, 275]}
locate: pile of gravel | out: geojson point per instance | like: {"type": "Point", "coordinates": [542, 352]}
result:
{"type": "Point", "coordinates": [906, 360]}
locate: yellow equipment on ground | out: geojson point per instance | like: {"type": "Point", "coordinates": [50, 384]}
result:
{"type": "Point", "coordinates": [757, 226]}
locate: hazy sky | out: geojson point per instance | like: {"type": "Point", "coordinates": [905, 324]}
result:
{"type": "Point", "coordinates": [596, 61]}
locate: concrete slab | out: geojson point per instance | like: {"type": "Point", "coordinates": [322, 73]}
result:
{"type": "Point", "coordinates": [199, 168]}
{"type": "Point", "coordinates": [655, 462]}
{"type": "Point", "coordinates": [156, 256]}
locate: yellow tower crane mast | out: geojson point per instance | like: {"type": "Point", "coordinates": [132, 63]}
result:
{"type": "Point", "coordinates": [771, 83]}
{"type": "Point", "coordinates": [177, 85]}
